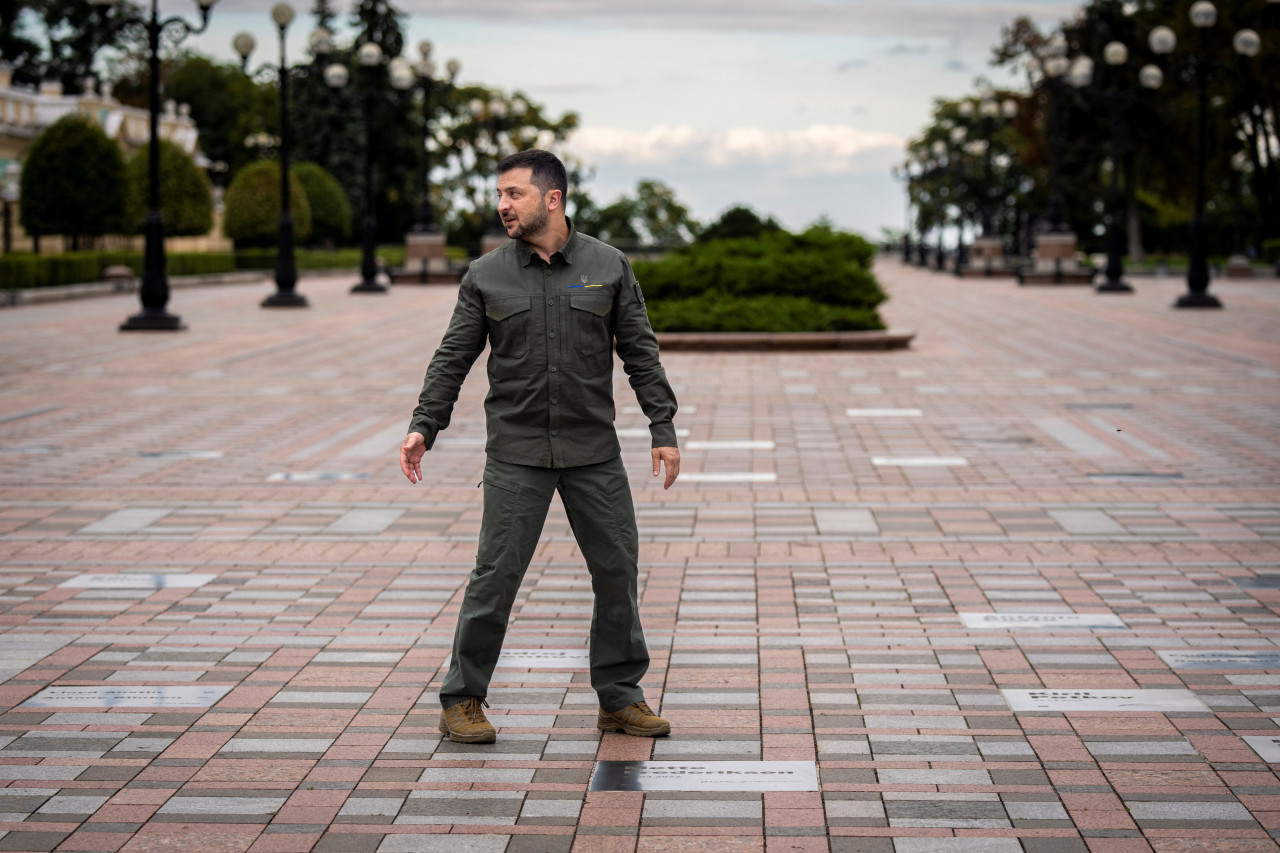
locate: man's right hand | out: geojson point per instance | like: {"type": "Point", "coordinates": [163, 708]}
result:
{"type": "Point", "coordinates": [411, 456]}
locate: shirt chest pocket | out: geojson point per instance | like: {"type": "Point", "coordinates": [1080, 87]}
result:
{"type": "Point", "coordinates": [591, 327]}
{"type": "Point", "coordinates": [509, 319]}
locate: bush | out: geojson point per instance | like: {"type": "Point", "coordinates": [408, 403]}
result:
{"type": "Point", "coordinates": [252, 206]}
{"type": "Point", "coordinates": [330, 210]}
{"type": "Point", "coordinates": [73, 182]}
{"type": "Point", "coordinates": [737, 222]}
{"type": "Point", "coordinates": [317, 259]}
{"type": "Point", "coordinates": [20, 270]}
{"type": "Point", "coordinates": [818, 280]}
{"type": "Point", "coordinates": [186, 200]}
{"type": "Point", "coordinates": [713, 312]}
{"type": "Point", "coordinates": [1271, 251]}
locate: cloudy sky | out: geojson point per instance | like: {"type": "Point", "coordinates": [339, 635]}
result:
{"type": "Point", "coordinates": [796, 108]}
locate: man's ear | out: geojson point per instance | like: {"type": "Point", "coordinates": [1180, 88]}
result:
{"type": "Point", "coordinates": [555, 199]}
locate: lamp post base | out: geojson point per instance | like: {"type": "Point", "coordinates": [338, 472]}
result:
{"type": "Point", "coordinates": [1113, 286]}
{"type": "Point", "coordinates": [285, 299]}
{"type": "Point", "coordinates": [153, 321]}
{"type": "Point", "coordinates": [1197, 300]}
{"type": "Point", "coordinates": [369, 287]}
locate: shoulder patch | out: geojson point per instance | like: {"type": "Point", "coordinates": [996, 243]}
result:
{"type": "Point", "coordinates": [639, 294]}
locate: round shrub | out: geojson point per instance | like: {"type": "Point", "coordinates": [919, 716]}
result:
{"type": "Point", "coordinates": [186, 199]}
{"type": "Point", "coordinates": [73, 182]}
{"type": "Point", "coordinates": [252, 206]}
{"type": "Point", "coordinates": [330, 210]}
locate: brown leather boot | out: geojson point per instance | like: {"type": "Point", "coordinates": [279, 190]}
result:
{"type": "Point", "coordinates": [636, 719]}
{"type": "Point", "coordinates": [465, 722]}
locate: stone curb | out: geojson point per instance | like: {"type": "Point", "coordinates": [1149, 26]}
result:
{"type": "Point", "coordinates": [886, 340]}
{"type": "Point", "coordinates": [64, 292]}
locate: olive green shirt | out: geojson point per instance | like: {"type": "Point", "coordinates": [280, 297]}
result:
{"type": "Point", "coordinates": [552, 329]}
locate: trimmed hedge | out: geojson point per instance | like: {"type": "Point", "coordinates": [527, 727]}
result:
{"type": "Point", "coordinates": [20, 270]}
{"type": "Point", "coordinates": [317, 259]}
{"type": "Point", "coordinates": [815, 281]}
{"type": "Point", "coordinates": [186, 199]}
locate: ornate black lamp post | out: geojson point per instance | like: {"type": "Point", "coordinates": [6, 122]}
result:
{"type": "Point", "coordinates": [425, 70]}
{"type": "Point", "coordinates": [1115, 54]}
{"type": "Point", "coordinates": [988, 247]}
{"type": "Point", "coordinates": [939, 149]}
{"type": "Point", "coordinates": [10, 182]}
{"type": "Point", "coordinates": [286, 295]}
{"type": "Point", "coordinates": [154, 292]}
{"type": "Point", "coordinates": [1204, 15]}
{"type": "Point", "coordinates": [336, 76]}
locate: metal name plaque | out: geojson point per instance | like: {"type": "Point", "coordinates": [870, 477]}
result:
{"type": "Point", "coordinates": [316, 476]}
{"type": "Point", "coordinates": [128, 696]}
{"type": "Point", "coordinates": [1264, 581]}
{"type": "Point", "coordinates": [705, 776]}
{"type": "Point", "coordinates": [543, 659]}
{"type": "Point", "coordinates": [1157, 700]}
{"type": "Point", "coordinates": [1041, 620]}
{"type": "Point", "coordinates": [1267, 747]}
{"type": "Point", "coordinates": [136, 581]}
{"type": "Point", "coordinates": [1215, 659]}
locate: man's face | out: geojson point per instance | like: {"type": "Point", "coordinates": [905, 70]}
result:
{"type": "Point", "coordinates": [521, 205]}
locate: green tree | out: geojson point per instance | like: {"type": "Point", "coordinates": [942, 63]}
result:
{"type": "Point", "coordinates": [330, 210]}
{"type": "Point", "coordinates": [58, 39]}
{"type": "Point", "coordinates": [73, 182]}
{"type": "Point", "coordinates": [652, 217]}
{"type": "Point", "coordinates": [226, 105]}
{"type": "Point", "coordinates": [186, 200]}
{"type": "Point", "coordinates": [252, 206]}
{"type": "Point", "coordinates": [738, 222]}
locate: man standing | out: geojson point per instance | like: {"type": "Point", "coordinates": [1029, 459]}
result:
{"type": "Point", "coordinates": [552, 304]}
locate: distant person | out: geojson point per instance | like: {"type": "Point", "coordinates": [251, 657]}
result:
{"type": "Point", "coordinates": [553, 305]}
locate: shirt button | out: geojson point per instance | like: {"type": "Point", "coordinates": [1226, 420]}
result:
{"type": "Point", "coordinates": [555, 400]}
{"type": "Point", "coordinates": [551, 334]}
{"type": "Point", "coordinates": [555, 432]}
{"type": "Point", "coordinates": [554, 368]}
{"type": "Point", "coordinates": [551, 302]}
{"type": "Point", "coordinates": [547, 271]}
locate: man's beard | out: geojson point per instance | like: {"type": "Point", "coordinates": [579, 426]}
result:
{"type": "Point", "coordinates": [537, 222]}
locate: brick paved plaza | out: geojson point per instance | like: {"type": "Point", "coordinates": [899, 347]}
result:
{"type": "Point", "coordinates": [1014, 589]}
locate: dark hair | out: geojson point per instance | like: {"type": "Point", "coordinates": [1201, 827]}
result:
{"type": "Point", "coordinates": [548, 171]}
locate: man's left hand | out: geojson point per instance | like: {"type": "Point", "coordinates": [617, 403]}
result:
{"type": "Point", "coordinates": [668, 457]}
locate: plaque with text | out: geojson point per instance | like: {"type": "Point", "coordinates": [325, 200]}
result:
{"type": "Point", "coordinates": [128, 696]}
{"type": "Point", "coordinates": [705, 776]}
{"type": "Point", "coordinates": [1270, 580]}
{"type": "Point", "coordinates": [1157, 700]}
{"type": "Point", "coordinates": [1041, 620]}
{"type": "Point", "coordinates": [1267, 747]}
{"type": "Point", "coordinates": [543, 659]}
{"type": "Point", "coordinates": [138, 581]}
{"type": "Point", "coordinates": [1221, 659]}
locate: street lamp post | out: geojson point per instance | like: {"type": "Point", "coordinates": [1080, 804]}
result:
{"type": "Point", "coordinates": [958, 136]}
{"type": "Point", "coordinates": [1162, 40]}
{"type": "Point", "coordinates": [989, 247]}
{"type": "Point", "coordinates": [286, 295]}
{"type": "Point", "coordinates": [1115, 54]}
{"type": "Point", "coordinates": [10, 189]}
{"type": "Point", "coordinates": [336, 76]}
{"type": "Point", "coordinates": [940, 257]}
{"type": "Point", "coordinates": [425, 70]}
{"type": "Point", "coordinates": [154, 292]}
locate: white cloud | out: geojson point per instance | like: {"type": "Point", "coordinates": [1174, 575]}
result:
{"type": "Point", "coordinates": [918, 18]}
{"type": "Point", "coordinates": [815, 150]}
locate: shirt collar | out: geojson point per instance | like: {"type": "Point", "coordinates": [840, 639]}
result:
{"type": "Point", "coordinates": [565, 252]}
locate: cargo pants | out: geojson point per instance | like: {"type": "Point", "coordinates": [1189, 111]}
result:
{"type": "Point", "coordinates": [597, 500]}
